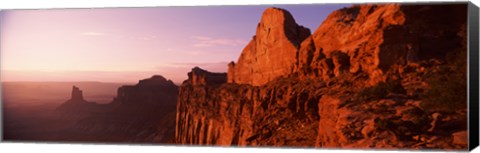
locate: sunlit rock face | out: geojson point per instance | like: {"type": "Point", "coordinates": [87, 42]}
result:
{"type": "Point", "coordinates": [272, 51]}
{"type": "Point", "coordinates": [365, 39]}
{"type": "Point", "coordinates": [361, 80]}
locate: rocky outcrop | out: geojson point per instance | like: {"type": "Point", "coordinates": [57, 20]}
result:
{"type": "Point", "coordinates": [369, 38]}
{"type": "Point", "coordinates": [199, 76]}
{"type": "Point", "coordinates": [272, 51]}
{"type": "Point", "coordinates": [366, 78]}
{"type": "Point", "coordinates": [279, 113]}
{"type": "Point", "coordinates": [309, 112]}
{"type": "Point", "coordinates": [375, 37]}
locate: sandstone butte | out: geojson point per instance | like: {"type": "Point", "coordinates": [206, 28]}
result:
{"type": "Point", "coordinates": [76, 103]}
{"type": "Point", "coordinates": [361, 80]}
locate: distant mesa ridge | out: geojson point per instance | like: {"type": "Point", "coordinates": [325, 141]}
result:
{"type": "Point", "coordinates": [155, 80]}
{"type": "Point", "coordinates": [144, 112]}
{"type": "Point", "coordinates": [156, 90]}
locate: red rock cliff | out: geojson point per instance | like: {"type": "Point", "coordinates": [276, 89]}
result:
{"type": "Point", "coordinates": [368, 77]}
{"type": "Point", "coordinates": [272, 51]}
{"type": "Point", "coordinates": [361, 39]}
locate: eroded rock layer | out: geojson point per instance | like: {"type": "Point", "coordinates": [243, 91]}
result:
{"type": "Point", "coordinates": [371, 76]}
{"type": "Point", "coordinates": [272, 51]}
{"type": "Point", "coordinates": [359, 39]}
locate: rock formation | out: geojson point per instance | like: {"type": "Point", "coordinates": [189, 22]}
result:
{"type": "Point", "coordinates": [199, 76]}
{"type": "Point", "coordinates": [370, 38]}
{"type": "Point", "coordinates": [245, 115]}
{"type": "Point", "coordinates": [76, 103]}
{"type": "Point", "coordinates": [272, 51]}
{"type": "Point", "coordinates": [366, 78]}
{"type": "Point", "coordinates": [77, 94]}
{"type": "Point", "coordinates": [155, 91]}
{"type": "Point", "coordinates": [144, 112]}
{"type": "Point", "coordinates": [375, 37]}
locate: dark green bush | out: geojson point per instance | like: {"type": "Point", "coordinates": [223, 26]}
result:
{"type": "Point", "coordinates": [381, 90]}
{"type": "Point", "coordinates": [448, 85]}
{"type": "Point", "coordinates": [447, 92]}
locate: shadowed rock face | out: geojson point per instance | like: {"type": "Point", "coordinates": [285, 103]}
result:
{"type": "Point", "coordinates": [351, 84]}
{"type": "Point", "coordinates": [76, 103]}
{"type": "Point", "coordinates": [77, 94]}
{"type": "Point", "coordinates": [141, 113]}
{"type": "Point", "coordinates": [152, 91]}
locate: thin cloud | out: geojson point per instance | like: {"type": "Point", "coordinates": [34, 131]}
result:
{"type": "Point", "coordinates": [147, 37]}
{"type": "Point", "coordinates": [190, 64]}
{"type": "Point", "coordinates": [177, 72]}
{"type": "Point", "coordinates": [210, 66]}
{"type": "Point", "coordinates": [203, 41]}
{"type": "Point", "coordinates": [93, 34]}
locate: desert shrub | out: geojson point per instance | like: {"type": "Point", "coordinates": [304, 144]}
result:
{"type": "Point", "coordinates": [381, 90]}
{"type": "Point", "coordinates": [447, 92]}
{"type": "Point", "coordinates": [448, 86]}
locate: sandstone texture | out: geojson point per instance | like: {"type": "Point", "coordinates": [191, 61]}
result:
{"type": "Point", "coordinates": [199, 76]}
{"type": "Point", "coordinates": [384, 76]}
{"type": "Point", "coordinates": [360, 39]}
{"type": "Point", "coordinates": [272, 51]}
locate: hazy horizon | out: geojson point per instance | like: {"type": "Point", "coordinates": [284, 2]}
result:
{"type": "Point", "coordinates": [129, 44]}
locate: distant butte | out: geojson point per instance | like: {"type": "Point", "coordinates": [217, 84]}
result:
{"type": "Point", "coordinates": [77, 95]}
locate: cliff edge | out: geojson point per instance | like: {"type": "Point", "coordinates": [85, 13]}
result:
{"type": "Point", "coordinates": [371, 76]}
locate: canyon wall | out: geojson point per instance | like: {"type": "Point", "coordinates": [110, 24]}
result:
{"type": "Point", "coordinates": [360, 39]}
{"type": "Point", "coordinates": [366, 78]}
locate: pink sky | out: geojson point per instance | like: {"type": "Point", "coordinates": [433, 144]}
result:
{"type": "Point", "coordinates": [129, 44]}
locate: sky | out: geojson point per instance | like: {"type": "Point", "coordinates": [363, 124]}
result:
{"type": "Point", "coordinates": [129, 44]}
